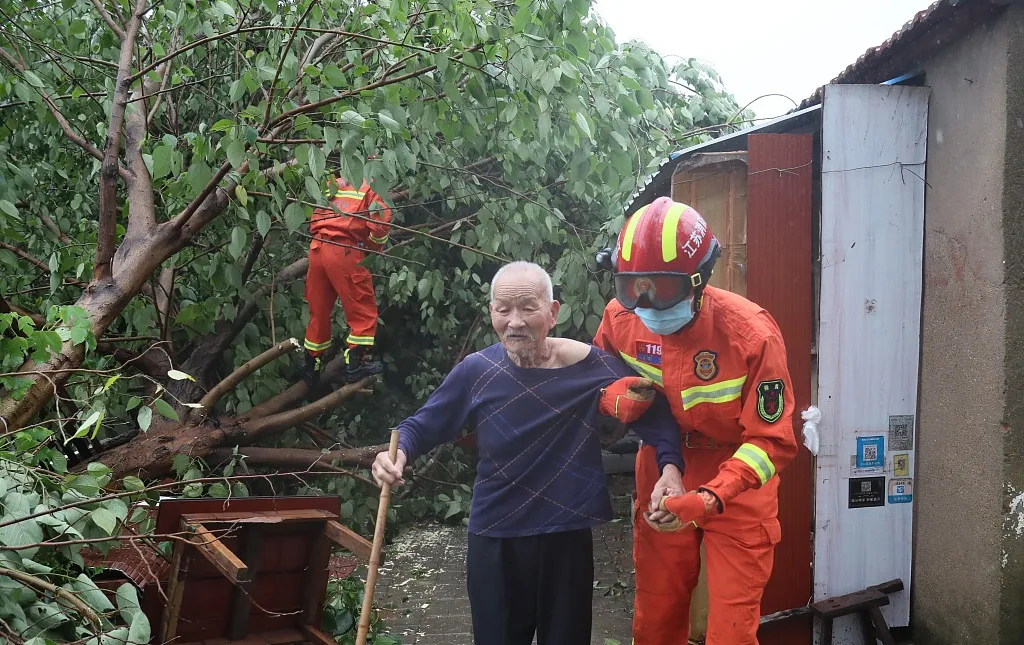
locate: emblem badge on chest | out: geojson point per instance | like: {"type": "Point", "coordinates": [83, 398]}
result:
{"type": "Point", "coordinates": [704, 365]}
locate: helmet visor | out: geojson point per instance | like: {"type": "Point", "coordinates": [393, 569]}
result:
{"type": "Point", "coordinates": [653, 290]}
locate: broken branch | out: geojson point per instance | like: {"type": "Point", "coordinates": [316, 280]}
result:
{"type": "Point", "coordinates": [243, 372]}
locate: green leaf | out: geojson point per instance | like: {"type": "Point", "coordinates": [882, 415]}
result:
{"type": "Point", "coordinates": [294, 216]}
{"type": "Point", "coordinates": [32, 79]}
{"type": "Point", "coordinates": [181, 463]}
{"type": "Point", "coordinates": [8, 208]}
{"type": "Point", "coordinates": [389, 123]}
{"type": "Point", "coordinates": [581, 121]}
{"type": "Point", "coordinates": [87, 591]}
{"type": "Point", "coordinates": [83, 429]}
{"type": "Point", "coordinates": [145, 417]}
{"type": "Point", "coordinates": [77, 28]}
{"type": "Point", "coordinates": [104, 519]}
{"type": "Point", "coordinates": [139, 631]}
{"type": "Point", "coordinates": [127, 599]}
{"type": "Point", "coordinates": [178, 375]}
{"type": "Point", "coordinates": [564, 313]}
{"type": "Point", "coordinates": [351, 117]}
{"type": "Point", "coordinates": [20, 534]}
{"type": "Point", "coordinates": [317, 161]}
{"type": "Point", "coordinates": [218, 489]}
{"type": "Point", "coordinates": [237, 245]}
{"type": "Point", "coordinates": [132, 483]}
{"type": "Point", "coordinates": [523, 18]}
{"type": "Point", "coordinates": [162, 156]}
{"type": "Point", "coordinates": [241, 195]}
{"type": "Point", "coordinates": [110, 381]}
{"type": "Point", "coordinates": [222, 126]}
{"type": "Point", "coordinates": [262, 223]}
{"type": "Point", "coordinates": [236, 153]}
{"type": "Point", "coordinates": [132, 403]}
{"type": "Point", "coordinates": [165, 410]}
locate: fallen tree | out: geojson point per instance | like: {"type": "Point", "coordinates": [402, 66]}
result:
{"type": "Point", "coordinates": [163, 159]}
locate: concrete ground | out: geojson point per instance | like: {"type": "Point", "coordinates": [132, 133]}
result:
{"type": "Point", "coordinates": [421, 588]}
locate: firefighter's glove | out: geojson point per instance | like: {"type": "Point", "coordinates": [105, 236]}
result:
{"type": "Point", "coordinates": [689, 508]}
{"type": "Point", "coordinates": [671, 526]}
{"type": "Point", "coordinates": [627, 398]}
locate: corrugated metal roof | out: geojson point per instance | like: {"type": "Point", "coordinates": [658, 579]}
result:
{"type": "Point", "coordinates": [928, 31]}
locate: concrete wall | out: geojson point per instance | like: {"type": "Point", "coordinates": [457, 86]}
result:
{"type": "Point", "coordinates": [1011, 610]}
{"type": "Point", "coordinates": [961, 566]}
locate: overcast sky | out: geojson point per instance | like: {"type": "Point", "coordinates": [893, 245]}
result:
{"type": "Point", "coordinates": [791, 47]}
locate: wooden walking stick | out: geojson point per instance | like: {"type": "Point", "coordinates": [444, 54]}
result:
{"type": "Point", "coordinates": [378, 544]}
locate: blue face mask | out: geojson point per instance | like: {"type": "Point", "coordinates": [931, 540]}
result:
{"type": "Point", "coordinates": [667, 321]}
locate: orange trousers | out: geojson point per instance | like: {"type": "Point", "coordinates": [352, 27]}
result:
{"type": "Point", "coordinates": [739, 548]}
{"type": "Point", "coordinates": [334, 272]}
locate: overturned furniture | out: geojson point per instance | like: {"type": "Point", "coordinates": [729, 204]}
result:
{"type": "Point", "coordinates": [248, 570]}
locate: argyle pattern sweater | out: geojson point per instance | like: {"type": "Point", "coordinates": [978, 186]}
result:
{"type": "Point", "coordinates": [539, 468]}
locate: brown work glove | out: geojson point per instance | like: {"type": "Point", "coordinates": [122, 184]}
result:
{"type": "Point", "coordinates": [627, 398]}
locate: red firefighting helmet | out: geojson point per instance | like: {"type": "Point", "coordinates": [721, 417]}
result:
{"type": "Point", "coordinates": [665, 254]}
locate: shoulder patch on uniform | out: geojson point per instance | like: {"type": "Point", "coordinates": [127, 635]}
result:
{"type": "Point", "coordinates": [704, 365]}
{"type": "Point", "coordinates": [770, 400]}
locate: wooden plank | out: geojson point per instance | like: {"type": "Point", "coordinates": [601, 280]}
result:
{"type": "Point", "coordinates": [241, 600]}
{"type": "Point", "coordinates": [316, 579]}
{"type": "Point", "coordinates": [779, 229]}
{"type": "Point", "coordinates": [881, 628]}
{"type": "Point", "coordinates": [219, 555]}
{"type": "Point", "coordinates": [259, 517]}
{"type": "Point", "coordinates": [349, 539]}
{"type": "Point", "coordinates": [170, 510]}
{"type": "Point", "coordinates": [175, 593]}
{"type": "Point", "coordinates": [317, 636]}
{"type": "Point", "coordinates": [874, 145]}
{"type": "Point", "coordinates": [850, 603]}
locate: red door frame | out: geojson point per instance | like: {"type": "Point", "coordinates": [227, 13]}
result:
{"type": "Point", "coordinates": [779, 278]}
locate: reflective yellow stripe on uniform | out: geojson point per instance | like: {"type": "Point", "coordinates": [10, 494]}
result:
{"type": "Point", "coordinates": [627, 238]}
{"type": "Point", "coordinates": [378, 240]}
{"type": "Point", "coordinates": [359, 340]}
{"type": "Point", "coordinates": [720, 392]}
{"type": "Point", "coordinates": [758, 461]}
{"type": "Point", "coordinates": [350, 194]}
{"type": "Point", "coordinates": [646, 371]}
{"type": "Point", "coordinates": [669, 228]}
{"type": "Point", "coordinates": [316, 347]}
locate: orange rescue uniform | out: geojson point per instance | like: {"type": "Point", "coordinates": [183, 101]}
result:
{"type": "Point", "coordinates": [727, 382]}
{"type": "Point", "coordinates": [335, 269]}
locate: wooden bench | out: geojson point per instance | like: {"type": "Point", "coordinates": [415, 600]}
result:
{"type": "Point", "coordinates": [865, 604]}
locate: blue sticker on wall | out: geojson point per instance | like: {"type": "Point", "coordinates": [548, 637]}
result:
{"type": "Point", "coordinates": [901, 490]}
{"type": "Point", "coordinates": [871, 452]}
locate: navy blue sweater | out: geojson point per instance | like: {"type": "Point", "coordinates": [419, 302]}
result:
{"type": "Point", "coordinates": [539, 468]}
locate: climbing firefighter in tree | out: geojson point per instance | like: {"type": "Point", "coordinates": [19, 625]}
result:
{"type": "Point", "coordinates": [358, 221]}
{"type": "Point", "coordinates": [721, 362]}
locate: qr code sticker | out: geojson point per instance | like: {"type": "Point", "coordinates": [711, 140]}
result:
{"type": "Point", "coordinates": [901, 432]}
{"type": "Point", "coordinates": [865, 487]}
{"type": "Point", "coordinates": [870, 452]}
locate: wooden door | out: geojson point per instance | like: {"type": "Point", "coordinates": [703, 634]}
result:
{"type": "Point", "coordinates": [779, 278]}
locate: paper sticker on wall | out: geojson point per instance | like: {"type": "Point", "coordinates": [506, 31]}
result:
{"type": "Point", "coordinates": [864, 472]}
{"type": "Point", "coordinates": [901, 491]}
{"type": "Point", "coordinates": [901, 432]}
{"type": "Point", "coordinates": [901, 465]}
{"type": "Point", "coordinates": [866, 492]}
{"type": "Point", "coordinates": [871, 452]}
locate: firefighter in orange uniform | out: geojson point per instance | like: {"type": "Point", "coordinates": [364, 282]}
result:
{"type": "Point", "coordinates": [721, 362]}
{"type": "Point", "coordinates": [335, 271]}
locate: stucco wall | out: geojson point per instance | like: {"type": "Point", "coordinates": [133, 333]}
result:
{"type": "Point", "coordinates": [956, 594]}
{"type": "Point", "coordinates": [1012, 604]}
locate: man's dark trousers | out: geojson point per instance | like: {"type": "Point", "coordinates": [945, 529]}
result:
{"type": "Point", "coordinates": [541, 584]}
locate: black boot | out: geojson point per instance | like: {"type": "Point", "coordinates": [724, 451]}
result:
{"type": "Point", "coordinates": [311, 371]}
{"type": "Point", "coordinates": [359, 364]}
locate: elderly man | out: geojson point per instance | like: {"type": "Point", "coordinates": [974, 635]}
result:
{"type": "Point", "coordinates": [540, 486]}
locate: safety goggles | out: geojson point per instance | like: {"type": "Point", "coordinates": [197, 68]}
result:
{"type": "Point", "coordinates": [656, 290]}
